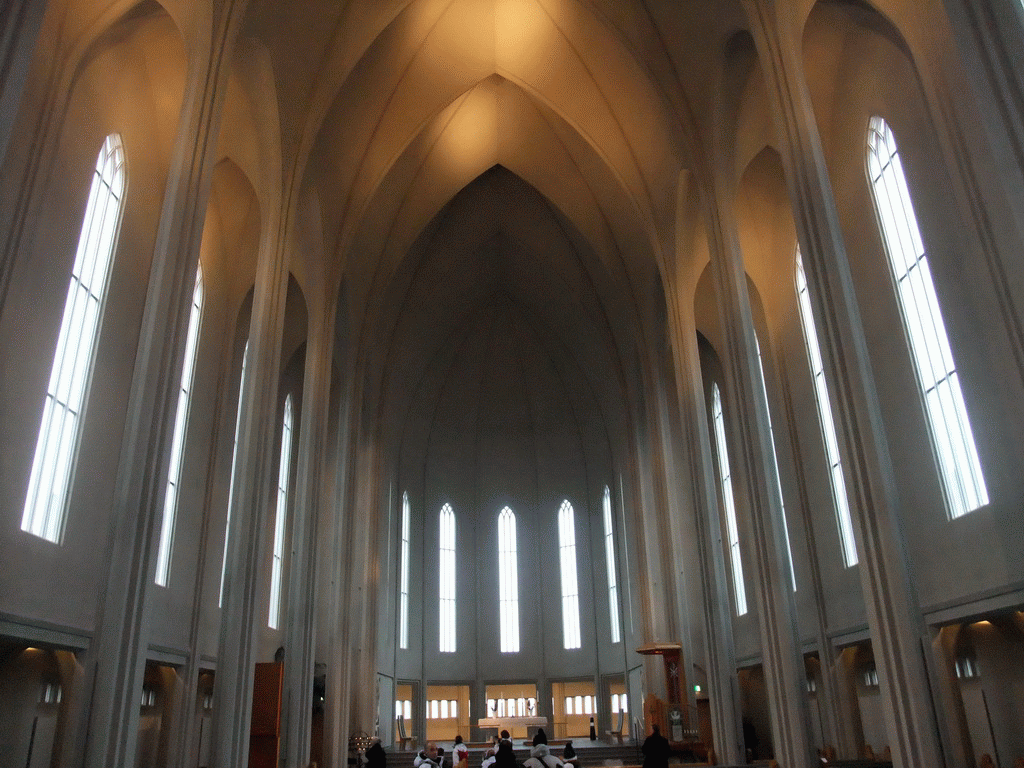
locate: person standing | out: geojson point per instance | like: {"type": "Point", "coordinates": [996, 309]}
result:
{"type": "Point", "coordinates": [375, 756]}
{"type": "Point", "coordinates": [460, 757]}
{"type": "Point", "coordinates": [655, 749]}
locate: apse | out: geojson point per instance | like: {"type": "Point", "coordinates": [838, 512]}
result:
{"type": "Point", "coordinates": [503, 389]}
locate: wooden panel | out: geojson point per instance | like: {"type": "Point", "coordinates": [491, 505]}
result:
{"type": "Point", "coordinates": [265, 728]}
{"type": "Point", "coordinates": [266, 699]}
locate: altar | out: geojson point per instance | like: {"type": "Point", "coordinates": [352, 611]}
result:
{"type": "Point", "coordinates": [521, 727]}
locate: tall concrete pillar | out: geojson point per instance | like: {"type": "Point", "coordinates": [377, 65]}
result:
{"type": "Point", "coordinates": [115, 662]}
{"type": "Point", "coordinates": [898, 635]}
{"type": "Point", "coordinates": [337, 566]}
{"type": "Point", "coordinates": [300, 648]}
{"type": "Point", "coordinates": [986, 36]}
{"type": "Point", "coordinates": [720, 649]}
{"type": "Point", "coordinates": [19, 28]}
{"type": "Point", "coordinates": [252, 476]}
{"type": "Point", "coordinates": [752, 445]}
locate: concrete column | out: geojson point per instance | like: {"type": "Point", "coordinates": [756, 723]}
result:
{"type": "Point", "coordinates": [752, 445]}
{"type": "Point", "coordinates": [364, 510]}
{"type": "Point", "coordinates": [300, 657]}
{"type": "Point", "coordinates": [898, 635]}
{"type": "Point", "coordinates": [723, 686]}
{"type": "Point", "coordinates": [19, 28]}
{"type": "Point", "coordinates": [34, 146]}
{"type": "Point", "coordinates": [253, 476]}
{"type": "Point", "coordinates": [336, 565]}
{"type": "Point", "coordinates": [115, 662]}
{"type": "Point", "coordinates": [828, 690]}
{"type": "Point", "coordinates": [987, 36]}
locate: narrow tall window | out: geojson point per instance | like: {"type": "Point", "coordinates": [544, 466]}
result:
{"type": "Point", "coordinates": [725, 475]}
{"type": "Point", "coordinates": [570, 585]}
{"type": "Point", "coordinates": [828, 427]}
{"type": "Point", "coordinates": [163, 558]}
{"type": "Point", "coordinates": [281, 518]}
{"type": "Point", "coordinates": [609, 558]}
{"type": "Point", "coordinates": [508, 582]}
{"type": "Point", "coordinates": [60, 427]}
{"type": "Point", "coordinates": [778, 480]}
{"type": "Point", "coordinates": [948, 422]}
{"type": "Point", "coordinates": [403, 578]}
{"type": "Point", "coordinates": [234, 457]}
{"type": "Point", "coordinates": [446, 579]}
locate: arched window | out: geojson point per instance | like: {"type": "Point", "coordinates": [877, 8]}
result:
{"type": "Point", "coordinates": [403, 578]}
{"type": "Point", "coordinates": [725, 475]}
{"type": "Point", "coordinates": [508, 582]}
{"type": "Point", "coordinates": [281, 518]}
{"type": "Point", "coordinates": [949, 426]}
{"type": "Point", "coordinates": [163, 558]}
{"type": "Point", "coordinates": [60, 427]}
{"type": "Point", "coordinates": [446, 579]}
{"type": "Point", "coordinates": [778, 480]}
{"type": "Point", "coordinates": [570, 585]}
{"type": "Point", "coordinates": [234, 457]}
{"type": "Point", "coordinates": [828, 427]}
{"type": "Point", "coordinates": [609, 557]}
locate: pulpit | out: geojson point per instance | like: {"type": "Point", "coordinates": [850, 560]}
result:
{"type": "Point", "coordinates": [684, 733]}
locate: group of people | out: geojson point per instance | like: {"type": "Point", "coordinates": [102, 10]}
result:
{"type": "Point", "coordinates": [500, 755]}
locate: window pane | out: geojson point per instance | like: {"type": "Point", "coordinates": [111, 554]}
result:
{"type": "Point", "coordinates": [234, 457]}
{"type": "Point", "coordinates": [508, 582]}
{"type": "Point", "coordinates": [446, 580]}
{"type": "Point", "coordinates": [163, 561]}
{"type": "Point", "coordinates": [609, 557]}
{"type": "Point", "coordinates": [403, 587]}
{"type": "Point", "coordinates": [725, 475]}
{"type": "Point", "coordinates": [778, 480]}
{"type": "Point", "coordinates": [281, 518]}
{"type": "Point", "coordinates": [570, 587]}
{"type": "Point", "coordinates": [949, 426]}
{"type": "Point", "coordinates": [74, 354]}
{"type": "Point", "coordinates": [824, 406]}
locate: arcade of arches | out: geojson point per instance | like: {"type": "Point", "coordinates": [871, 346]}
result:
{"type": "Point", "coordinates": [385, 366]}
